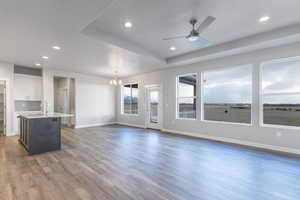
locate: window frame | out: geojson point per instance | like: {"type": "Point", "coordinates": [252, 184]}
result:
{"type": "Point", "coordinates": [262, 95]}
{"type": "Point", "coordinates": [122, 99]}
{"type": "Point", "coordinates": [195, 97]}
{"type": "Point", "coordinates": [252, 96]}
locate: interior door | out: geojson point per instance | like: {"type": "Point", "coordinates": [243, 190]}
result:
{"type": "Point", "coordinates": [154, 108]}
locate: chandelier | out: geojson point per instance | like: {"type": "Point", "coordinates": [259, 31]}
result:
{"type": "Point", "coordinates": [116, 81]}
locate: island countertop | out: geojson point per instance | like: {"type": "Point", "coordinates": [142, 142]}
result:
{"type": "Point", "coordinates": [44, 115]}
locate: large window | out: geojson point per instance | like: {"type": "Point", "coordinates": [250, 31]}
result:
{"type": "Point", "coordinates": [130, 99]}
{"type": "Point", "coordinates": [186, 96]}
{"type": "Point", "coordinates": [227, 95]}
{"type": "Point", "coordinates": [281, 92]}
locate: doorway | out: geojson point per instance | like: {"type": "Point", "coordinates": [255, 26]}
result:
{"type": "Point", "coordinates": [154, 107]}
{"type": "Point", "coordinates": [64, 99]}
{"type": "Point", "coordinates": [2, 108]}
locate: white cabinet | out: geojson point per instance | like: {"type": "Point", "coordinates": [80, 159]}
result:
{"type": "Point", "coordinates": [28, 88]}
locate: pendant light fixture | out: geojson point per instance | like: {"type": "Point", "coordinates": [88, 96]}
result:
{"type": "Point", "coordinates": [116, 81]}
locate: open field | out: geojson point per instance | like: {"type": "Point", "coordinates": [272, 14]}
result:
{"type": "Point", "coordinates": [276, 114]}
{"type": "Point", "coordinates": [131, 108]}
{"type": "Point", "coordinates": [187, 111]}
{"type": "Point", "coordinates": [228, 113]}
{"type": "Point", "coordinates": [282, 114]}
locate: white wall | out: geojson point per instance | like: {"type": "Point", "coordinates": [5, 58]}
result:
{"type": "Point", "coordinates": [252, 135]}
{"type": "Point", "coordinates": [94, 97]}
{"type": "Point", "coordinates": [95, 103]}
{"type": "Point", "coordinates": [7, 74]}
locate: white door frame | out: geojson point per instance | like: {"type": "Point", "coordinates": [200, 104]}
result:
{"type": "Point", "coordinates": [72, 80]}
{"type": "Point", "coordinates": [159, 125]}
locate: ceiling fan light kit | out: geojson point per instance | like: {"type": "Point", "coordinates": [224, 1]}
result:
{"type": "Point", "coordinates": [193, 38]}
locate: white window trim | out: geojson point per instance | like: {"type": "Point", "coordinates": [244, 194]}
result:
{"type": "Point", "coordinates": [226, 123]}
{"type": "Point", "coordinates": [262, 95]}
{"type": "Point", "coordinates": [122, 100]}
{"type": "Point", "coordinates": [195, 97]}
{"type": "Point", "coordinates": [280, 126]}
{"type": "Point", "coordinates": [202, 97]}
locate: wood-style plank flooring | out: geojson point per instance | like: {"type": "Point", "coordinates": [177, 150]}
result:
{"type": "Point", "coordinates": [122, 163]}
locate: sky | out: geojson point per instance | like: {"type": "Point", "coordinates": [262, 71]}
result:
{"type": "Point", "coordinates": [233, 85]}
{"type": "Point", "coordinates": [281, 78]}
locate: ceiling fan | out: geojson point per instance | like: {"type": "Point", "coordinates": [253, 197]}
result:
{"type": "Point", "coordinates": [194, 35]}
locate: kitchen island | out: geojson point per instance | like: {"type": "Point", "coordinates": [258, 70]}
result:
{"type": "Point", "coordinates": [40, 133]}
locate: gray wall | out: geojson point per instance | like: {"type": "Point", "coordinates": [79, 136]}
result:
{"type": "Point", "coordinates": [246, 134]}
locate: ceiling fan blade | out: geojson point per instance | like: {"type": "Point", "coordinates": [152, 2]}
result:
{"type": "Point", "coordinates": [208, 21]}
{"type": "Point", "coordinates": [204, 42]}
{"type": "Point", "coordinates": [174, 38]}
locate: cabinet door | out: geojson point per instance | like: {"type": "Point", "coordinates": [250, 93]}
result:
{"type": "Point", "coordinates": [27, 87]}
{"type": "Point", "coordinates": [44, 135]}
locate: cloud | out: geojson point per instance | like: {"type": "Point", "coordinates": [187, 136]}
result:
{"type": "Point", "coordinates": [233, 93]}
{"type": "Point", "coordinates": [232, 85]}
{"type": "Point", "coordinates": [281, 78]}
{"type": "Point", "coordinates": [228, 74]}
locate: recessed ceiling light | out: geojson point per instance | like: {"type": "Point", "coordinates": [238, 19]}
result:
{"type": "Point", "coordinates": [172, 48]}
{"type": "Point", "coordinates": [128, 24]}
{"type": "Point", "coordinates": [56, 47]}
{"type": "Point", "coordinates": [264, 19]}
{"type": "Point", "coordinates": [37, 64]}
{"type": "Point", "coordinates": [45, 57]}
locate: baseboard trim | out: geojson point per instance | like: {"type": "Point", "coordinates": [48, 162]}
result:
{"type": "Point", "coordinates": [132, 125]}
{"type": "Point", "coordinates": [237, 141]}
{"type": "Point", "coordinates": [94, 125]}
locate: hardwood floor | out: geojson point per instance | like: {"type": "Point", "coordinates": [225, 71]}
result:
{"type": "Point", "coordinates": [122, 163]}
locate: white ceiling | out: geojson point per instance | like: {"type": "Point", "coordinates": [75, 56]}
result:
{"type": "Point", "coordinates": [29, 29]}
{"type": "Point", "coordinates": [94, 40]}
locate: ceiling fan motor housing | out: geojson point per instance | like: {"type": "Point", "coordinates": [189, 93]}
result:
{"type": "Point", "coordinates": [193, 21]}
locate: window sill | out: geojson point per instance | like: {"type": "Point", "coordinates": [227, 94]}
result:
{"type": "Point", "coordinates": [226, 123]}
{"type": "Point", "coordinates": [280, 126]}
{"type": "Point", "coordinates": [134, 115]}
{"type": "Point", "coordinates": [189, 119]}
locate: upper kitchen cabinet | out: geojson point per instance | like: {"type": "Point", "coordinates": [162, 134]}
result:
{"type": "Point", "coordinates": [27, 84]}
